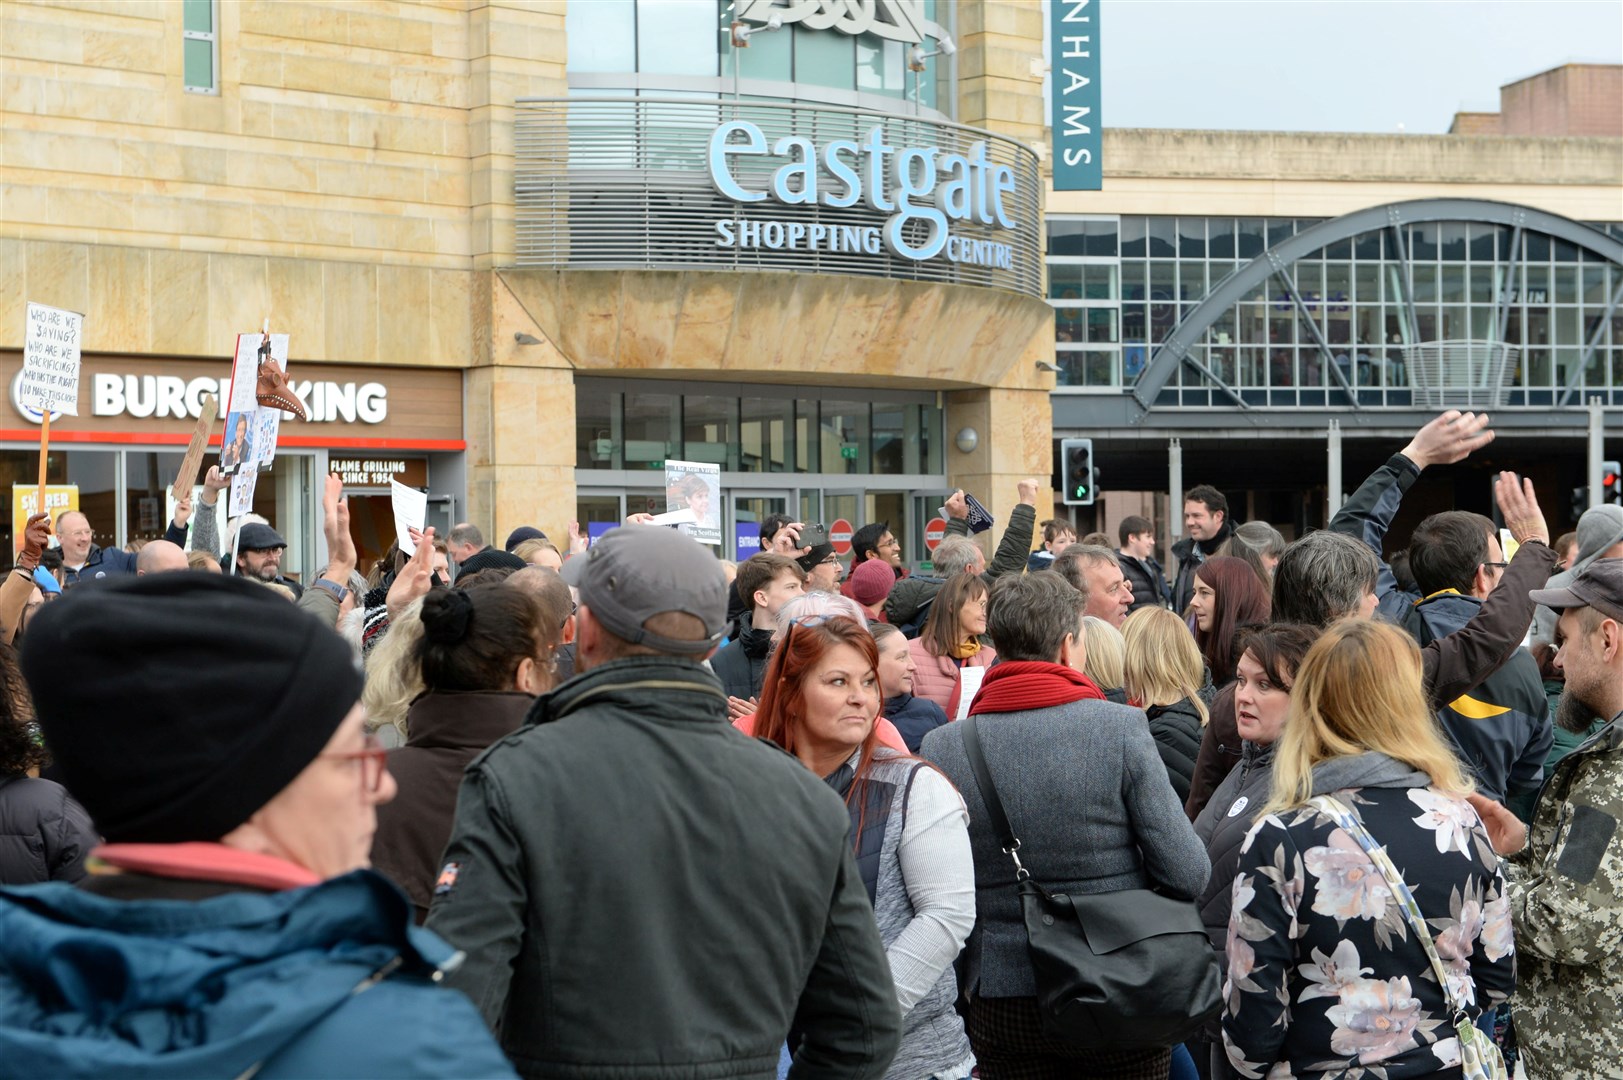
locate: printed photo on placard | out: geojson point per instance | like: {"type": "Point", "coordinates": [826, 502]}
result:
{"type": "Point", "coordinates": [696, 486]}
{"type": "Point", "coordinates": [238, 451]}
{"type": "Point", "coordinates": [267, 423]}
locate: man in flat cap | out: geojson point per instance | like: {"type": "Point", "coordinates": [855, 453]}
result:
{"type": "Point", "coordinates": [640, 889]}
{"type": "Point", "coordinates": [1565, 873]}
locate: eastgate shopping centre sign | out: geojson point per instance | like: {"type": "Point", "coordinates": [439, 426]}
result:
{"type": "Point", "coordinates": [924, 187]}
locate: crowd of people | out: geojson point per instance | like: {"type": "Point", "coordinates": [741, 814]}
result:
{"type": "Point", "coordinates": [623, 810]}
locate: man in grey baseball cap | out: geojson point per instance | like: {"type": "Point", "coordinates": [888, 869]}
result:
{"type": "Point", "coordinates": [1564, 874]}
{"type": "Point", "coordinates": [639, 888]}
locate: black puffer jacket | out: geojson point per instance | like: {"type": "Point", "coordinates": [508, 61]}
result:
{"type": "Point", "coordinates": [44, 833]}
{"type": "Point", "coordinates": [1176, 730]}
{"type": "Point", "coordinates": [742, 664]}
{"type": "Point", "coordinates": [1222, 826]}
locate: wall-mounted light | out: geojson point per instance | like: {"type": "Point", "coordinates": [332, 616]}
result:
{"type": "Point", "coordinates": [742, 31]}
{"type": "Point", "coordinates": [1048, 365]}
{"type": "Point", "coordinates": [966, 440]}
{"type": "Point", "coordinates": [526, 339]}
{"type": "Point", "coordinates": [917, 56]}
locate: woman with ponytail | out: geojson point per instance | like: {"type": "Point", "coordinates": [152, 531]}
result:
{"type": "Point", "coordinates": [484, 654]}
{"type": "Point", "coordinates": [820, 698]}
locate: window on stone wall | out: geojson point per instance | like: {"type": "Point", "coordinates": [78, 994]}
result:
{"type": "Point", "coordinates": [201, 46]}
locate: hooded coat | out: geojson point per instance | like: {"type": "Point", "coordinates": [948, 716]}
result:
{"type": "Point", "coordinates": [741, 665]}
{"type": "Point", "coordinates": [44, 833]}
{"type": "Point", "coordinates": [331, 980]}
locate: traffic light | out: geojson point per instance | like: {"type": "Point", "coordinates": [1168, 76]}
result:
{"type": "Point", "coordinates": [1611, 483]}
{"type": "Point", "coordinates": [1076, 471]}
{"type": "Point", "coordinates": [1580, 502]}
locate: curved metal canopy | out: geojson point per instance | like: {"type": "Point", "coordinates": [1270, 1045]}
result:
{"type": "Point", "coordinates": [1226, 293]}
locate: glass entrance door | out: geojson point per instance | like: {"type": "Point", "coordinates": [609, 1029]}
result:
{"type": "Point", "coordinates": [745, 510]}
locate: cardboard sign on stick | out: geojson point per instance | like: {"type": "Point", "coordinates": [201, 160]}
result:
{"type": "Point", "coordinates": [50, 376]}
{"type": "Point", "coordinates": [186, 477]}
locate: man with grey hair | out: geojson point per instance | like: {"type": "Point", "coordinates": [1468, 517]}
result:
{"type": "Point", "coordinates": [1089, 795]}
{"type": "Point", "coordinates": [1095, 572]}
{"type": "Point", "coordinates": [464, 542]}
{"type": "Point", "coordinates": [909, 602]}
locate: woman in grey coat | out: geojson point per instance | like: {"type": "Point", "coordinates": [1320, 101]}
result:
{"type": "Point", "coordinates": [44, 833]}
{"type": "Point", "coordinates": [1085, 790]}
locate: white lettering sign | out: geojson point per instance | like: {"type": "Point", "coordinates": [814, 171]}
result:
{"type": "Point", "coordinates": [169, 397]}
{"type": "Point", "coordinates": [915, 185]}
{"type": "Point", "coordinates": [49, 381]}
{"type": "Point", "coordinates": [894, 20]}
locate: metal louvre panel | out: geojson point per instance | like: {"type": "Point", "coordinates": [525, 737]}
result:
{"type": "Point", "coordinates": [624, 183]}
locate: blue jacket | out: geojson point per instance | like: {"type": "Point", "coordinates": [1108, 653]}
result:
{"type": "Point", "coordinates": [914, 718]}
{"type": "Point", "coordinates": [92, 986]}
{"type": "Point", "coordinates": [100, 562]}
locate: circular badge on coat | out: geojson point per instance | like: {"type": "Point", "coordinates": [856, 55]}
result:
{"type": "Point", "coordinates": [1239, 806]}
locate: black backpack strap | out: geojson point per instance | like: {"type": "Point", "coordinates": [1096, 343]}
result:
{"type": "Point", "coordinates": [994, 805]}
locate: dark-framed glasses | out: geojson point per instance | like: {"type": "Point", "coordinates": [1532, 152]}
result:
{"type": "Point", "coordinates": [374, 762]}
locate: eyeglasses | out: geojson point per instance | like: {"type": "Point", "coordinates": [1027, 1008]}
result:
{"type": "Point", "coordinates": [832, 560]}
{"type": "Point", "coordinates": [1499, 566]}
{"type": "Point", "coordinates": [373, 758]}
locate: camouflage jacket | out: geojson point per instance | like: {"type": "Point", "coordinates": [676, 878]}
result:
{"type": "Point", "coordinates": [1566, 902]}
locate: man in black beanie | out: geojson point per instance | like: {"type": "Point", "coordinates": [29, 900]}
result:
{"type": "Point", "coordinates": [218, 744]}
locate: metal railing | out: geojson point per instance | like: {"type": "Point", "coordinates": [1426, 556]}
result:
{"type": "Point", "coordinates": [624, 183]}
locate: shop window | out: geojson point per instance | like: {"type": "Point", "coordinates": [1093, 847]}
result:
{"type": "Point", "coordinates": [890, 442]}
{"type": "Point", "coordinates": [596, 444]}
{"type": "Point", "coordinates": [808, 443]}
{"type": "Point", "coordinates": [1251, 240]}
{"type": "Point", "coordinates": [602, 36]}
{"type": "Point", "coordinates": [1163, 237]}
{"type": "Point", "coordinates": [846, 437]}
{"type": "Point", "coordinates": [1101, 238]}
{"type": "Point", "coordinates": [709, 426]}
{"type": "Point", "coordinates": [881, 67]}
{"type": "Point", "coordinates": [200, 45]}
{"type": "Point", "coordinates": [765, 430]}
{"type": "Point", "coordinates": [650, 430]}
{"type": "Point", "coordinates": [1133, 230]}
{"type": "Point", "coordinates": [1221, 233]}
{"type": "Point", "coordinates": [1067, 237]}
{"type": "Point", "coordinates": [1192, 237]}
{"type": "Point", "coordinates": [1451, 242]}
{"type": "Point", "coordinates": [824, 59]}
{"type": "Point", "coordinates": [676, 37]}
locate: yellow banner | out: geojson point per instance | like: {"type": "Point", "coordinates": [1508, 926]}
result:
{"type": "Point", "coordinates": [59, 498]}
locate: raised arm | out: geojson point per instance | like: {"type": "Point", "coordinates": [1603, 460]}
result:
{"type": "Point", "coordinates": [1015, 547]}
{"type": "Point", "coordinates": [19, 584]}
{"type": "Point", "coordinates": [1459, 662]}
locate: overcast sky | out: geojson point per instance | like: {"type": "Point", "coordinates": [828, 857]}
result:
{"type": "Point", "coordinates": [1335, 65]}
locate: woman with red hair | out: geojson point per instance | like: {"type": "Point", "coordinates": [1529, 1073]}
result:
{"type": "Point", "coordinates": [1228, 595]}
{"type": "Point", "coordinates": [819, 701]}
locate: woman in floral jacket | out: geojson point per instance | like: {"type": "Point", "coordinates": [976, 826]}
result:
{"type": "Point", "coordinates": [1325, 976]}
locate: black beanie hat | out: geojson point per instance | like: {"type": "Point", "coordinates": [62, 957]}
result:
{"type": "Point", "coordinates": [176, 705]}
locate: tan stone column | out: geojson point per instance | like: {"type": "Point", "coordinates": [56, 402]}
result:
{"type": "Point", "coordinates": [1015, 425]}
{"type": "Point", "coordinates": [520, 409]}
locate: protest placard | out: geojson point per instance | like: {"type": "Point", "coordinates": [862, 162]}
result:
{"type": "Point", "coordinates": [59, 499]}
{"type": "Point", "coordinates": [50, 375]}
{"type": "Point", "coordinates": [242, 492]}
{"type": "Point", "coordinates": [696, 486]}
{"type": "Point", "coordinates": [192, 463]}
{"type": "Point", "coordinates": [251, 429]}
{"type": "Point", "coordinates": [410, 510]}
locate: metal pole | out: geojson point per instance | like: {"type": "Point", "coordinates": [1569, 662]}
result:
{"type": "Point", "coordinates": [1597, 450]}
{"type": "Point", "coordinates": [1175, 487]}
{"type": "Point", "coordinates": [1334, 445]}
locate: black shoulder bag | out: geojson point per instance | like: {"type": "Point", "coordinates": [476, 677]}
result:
{"type": "Point", "coordinates": [1126, 970]}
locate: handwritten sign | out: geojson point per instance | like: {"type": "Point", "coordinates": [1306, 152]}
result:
{"type": "Point", "coordinates": [50, 376]}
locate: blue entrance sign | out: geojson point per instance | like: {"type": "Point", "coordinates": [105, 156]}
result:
{"type": "Point", "coordinates": [1073, 42]}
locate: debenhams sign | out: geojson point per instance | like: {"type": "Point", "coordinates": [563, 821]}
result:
{"type": "Point", "coordinates": [922, 185]}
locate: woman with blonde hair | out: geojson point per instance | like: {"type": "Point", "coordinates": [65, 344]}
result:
{"type": "Point", "coordinates": [1104, 656]}
{"type": "Point", "coordinates": [539, 551]}
{"type": "Point", "coordinates": [1370, 923]}
{"type": "Point", "coordinates": [1162, 674]}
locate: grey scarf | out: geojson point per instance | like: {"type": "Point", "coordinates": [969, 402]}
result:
{"type": "Point", "coordinates": [1369, 769]}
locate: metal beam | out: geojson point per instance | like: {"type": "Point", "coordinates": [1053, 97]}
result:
{"type": "Point", "coordinates": [1594, 343]}
{"type": "Point", "coordinates": [1395, 230]}
{"type": "Point", "coordinates": [1318, 335]}
{"type": "Point", "coordinates": [1226, 293]}
{"type": "Point", "coordinates": [1175, 487]}
{"type": "Point", "coordinates": [1501, 317]}
{"type": "Point", "coordinates": [1333, 449]}
{"type": "Point", "coordinates": [1596, 451]}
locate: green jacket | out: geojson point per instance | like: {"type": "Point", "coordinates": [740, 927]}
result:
{"type": "Point", "coordinates": [644, 892]}
{"type": "Point", "coordinates": [1566, 902]}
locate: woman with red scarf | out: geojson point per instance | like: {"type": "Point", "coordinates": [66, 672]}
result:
{"type": "Point", "coordinates": [1085, 791]}
{"type": "Point", "coordinates": [820, 699]}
